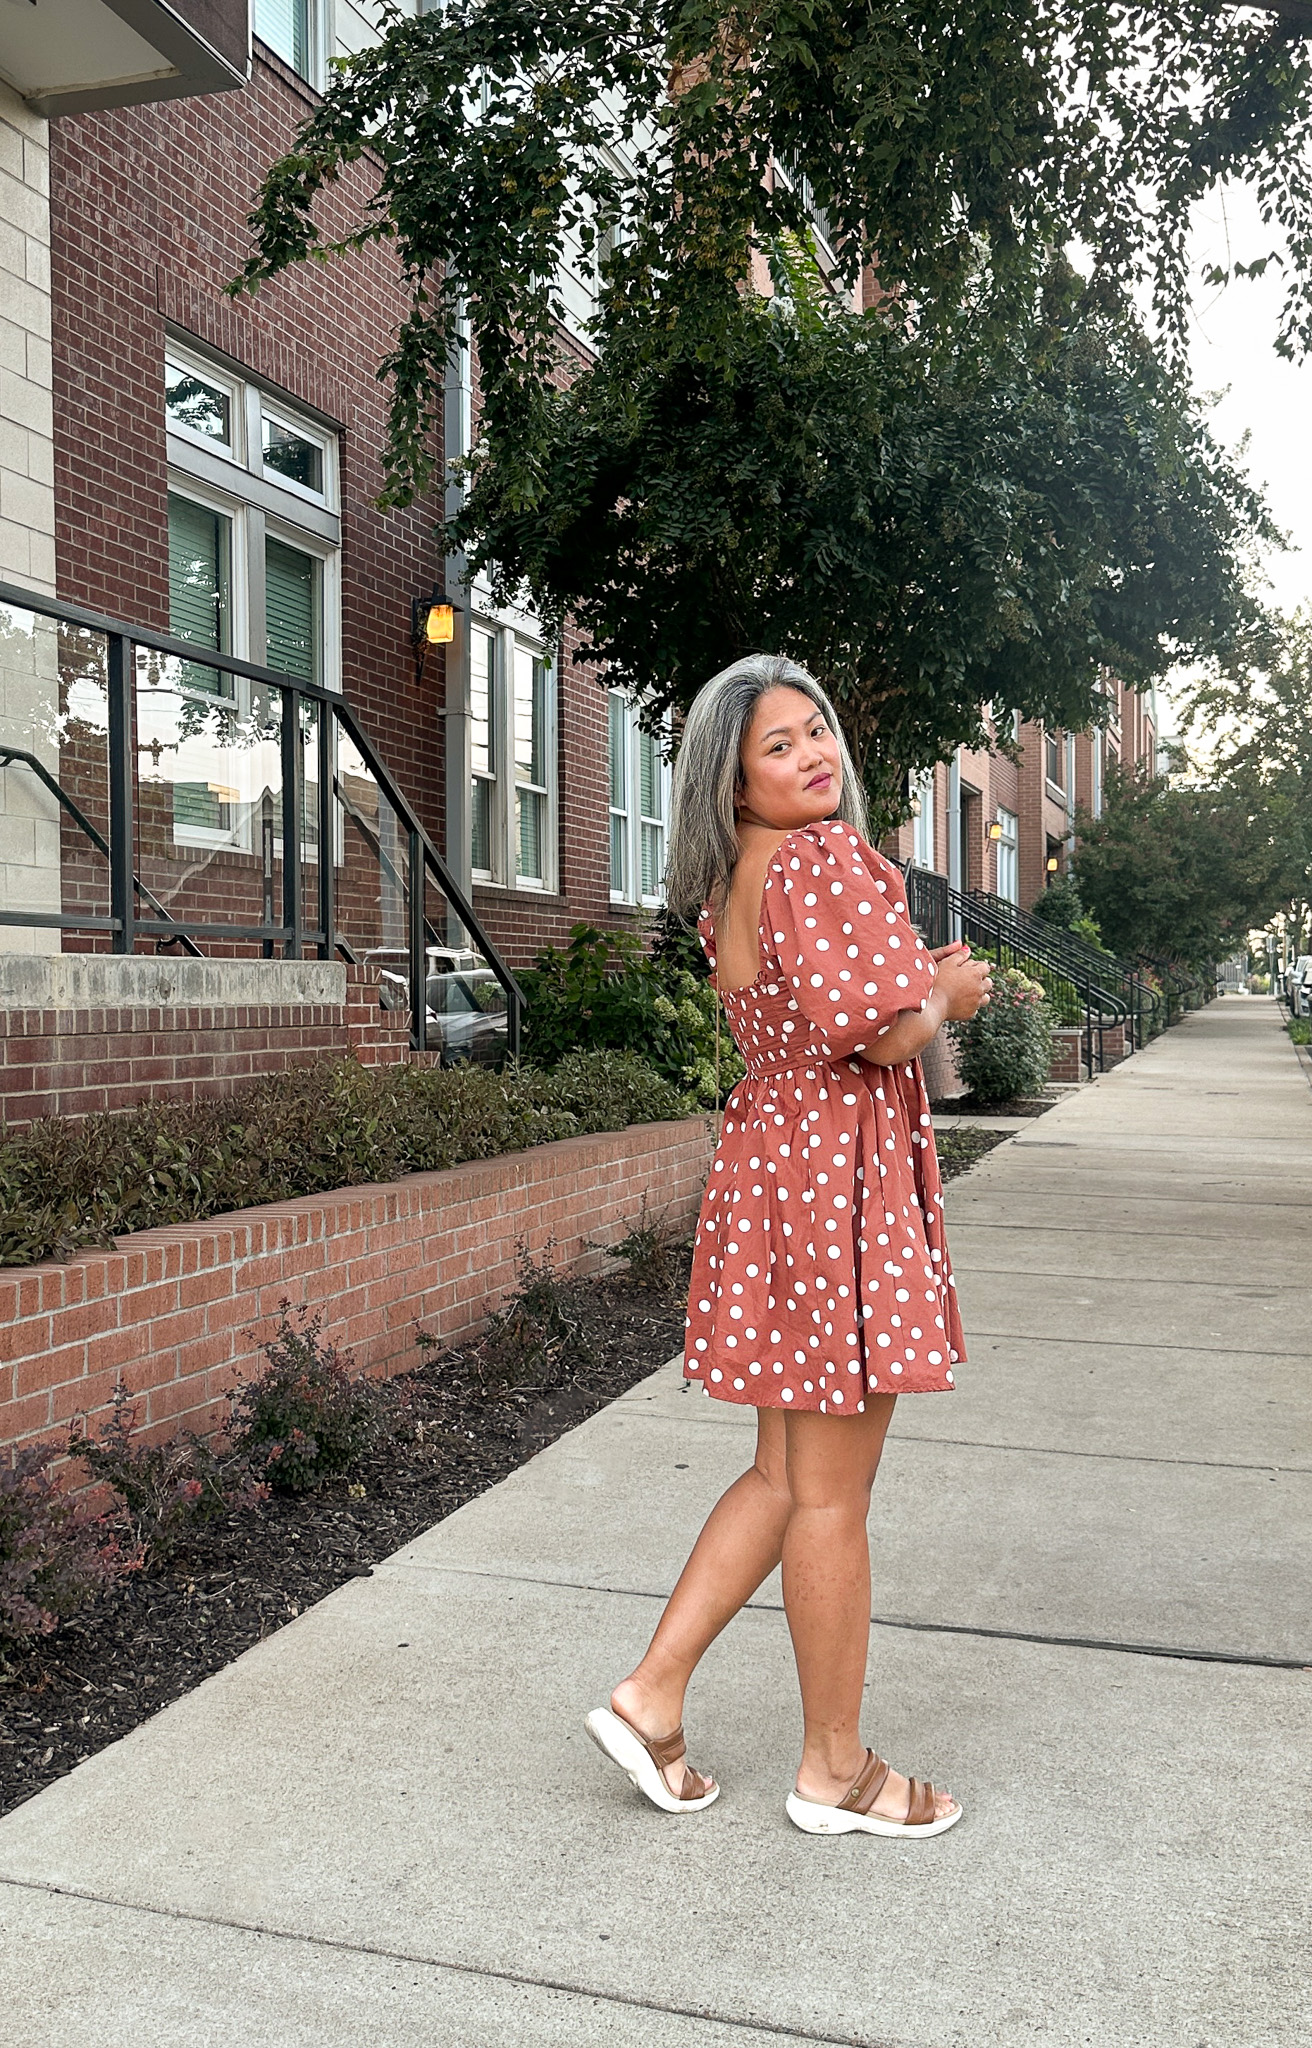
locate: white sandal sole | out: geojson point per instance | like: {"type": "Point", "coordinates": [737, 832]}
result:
{"type": "Point", "coordinates": [837, 1820]}
{"type": "Point", "coordinates": [622, 1746]}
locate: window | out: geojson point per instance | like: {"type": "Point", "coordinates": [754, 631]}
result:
{"type": "Point", "coordinates": [512, 758]}
{"type": "Point", "coordinates": [287, 26]}
{"type": "Point", "coordinates": [922, 824]}
{"type": "Point", "coordinates": [1008, 845]}
{"type": "Point", "coordinates": [1052, 760]}
{"type": "Point", "coordinates": [639, 806]}
{"type": "Point", "coordinates": [253, 571]}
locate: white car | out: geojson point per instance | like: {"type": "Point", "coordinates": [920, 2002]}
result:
{"type": "Point", "coordinates": [1298, 986]}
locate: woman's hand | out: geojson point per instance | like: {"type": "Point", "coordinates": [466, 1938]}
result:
{"type": "Point", "coordinates": [963, 983]}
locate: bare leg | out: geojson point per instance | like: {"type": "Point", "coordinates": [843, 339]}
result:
{"type": "Point", "coordinates": [738, 1548]}
{"type": "Point", "coordinates": [831, 1465]}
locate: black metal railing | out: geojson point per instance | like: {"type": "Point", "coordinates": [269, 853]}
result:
{"type": "Point", "coordinates": [201, 798]}
{"type": "Point", "coordinates": [1104, 993]}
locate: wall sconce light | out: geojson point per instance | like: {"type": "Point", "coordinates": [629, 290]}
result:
{"type": "Point", "coordinates": [1053, 863]}
{"type": "Point", "coordinates": [432, 624]}
{"type": "Point", "coordinates": [995, 830]}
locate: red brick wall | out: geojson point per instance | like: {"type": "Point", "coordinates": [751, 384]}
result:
{"type": "Point", "coordinates": [74, 1062]}
{"type": "Point", "coordinates": [148, 224]}
{"type": "Point", "coordinates": [181, 1313]}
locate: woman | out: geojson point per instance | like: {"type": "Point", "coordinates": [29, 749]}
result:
{"type": "Point", "coordinates": [821, 1288]}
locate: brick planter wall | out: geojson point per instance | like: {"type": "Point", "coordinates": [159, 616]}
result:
{"type": "Point", "coordinates": [181, 1312]}
{"type": "Point", "coordinates": [73, 1056]}
{"type": "Point", "coordinates": [1067, 1054]}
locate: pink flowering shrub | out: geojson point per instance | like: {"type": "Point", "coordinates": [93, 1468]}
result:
{"type": "Point", "coordinates": [55, 1553]}
{"type": "Point", "coordinates": [307, 1416]}
{"type": "Point", "coordinates": [1005, 1049]}
{"type": "Point", "coordinates": [164, 1487]}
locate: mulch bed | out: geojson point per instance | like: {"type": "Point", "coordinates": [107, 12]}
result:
{"type": "Point", "coordinates": [242, 1576]}
{"type": "Point", "coordinates": [1018, 1105]}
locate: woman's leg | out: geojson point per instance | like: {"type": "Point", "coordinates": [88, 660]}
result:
{"type": "Point", "coordinates": [831, 1464]}
{"type": "Point", "coordinates": [738, 1548]}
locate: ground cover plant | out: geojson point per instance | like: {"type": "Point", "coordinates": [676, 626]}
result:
{"type": "Point", "coordinates": [226, 1580]}
{"type": "Point", "coordinates": [67, 1184]}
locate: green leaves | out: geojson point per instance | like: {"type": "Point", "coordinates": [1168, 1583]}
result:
{"type": "Point", "coordinates": [952, 143]}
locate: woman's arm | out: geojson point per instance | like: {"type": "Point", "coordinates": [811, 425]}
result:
{"type": "Point", "coordinates": [961, 987]}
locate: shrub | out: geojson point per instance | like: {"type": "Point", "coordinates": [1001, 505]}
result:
{"type": "Point", "coordinates": [307, 1416]}
{"type": "Point", "coordinates": [605, 990]}
{"type": "Point", "coordinates": [55, 1554]}
{"type": "Point", "coordinates": [1060, 904]}
{"type": "Point", "coordinates": [531, 1343]}
{"type": "Point", "coordinates": [166, 1486]}
{"type": "Point", "coordinates": [1005, 1050]}
{"type": "Point", "coordinates": [66, 1184]}
{"type": "Point", "coordinates": [648, 1249]}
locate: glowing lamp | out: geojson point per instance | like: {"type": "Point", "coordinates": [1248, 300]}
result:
{"type": "Point", "coordinates": [440, 626]}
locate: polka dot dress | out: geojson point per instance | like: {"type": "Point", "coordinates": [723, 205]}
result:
{"type": "Point", "coordinates": [820, 1270]}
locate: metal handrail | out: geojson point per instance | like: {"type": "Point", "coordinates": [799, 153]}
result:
{"type": "Point", "coordinates": [945, 913]}
{"type": "Point", "coordinates": [294, 933]}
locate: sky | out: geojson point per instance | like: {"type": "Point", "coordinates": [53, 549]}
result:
{"type": "Point", "coordinates": [1267, 397]}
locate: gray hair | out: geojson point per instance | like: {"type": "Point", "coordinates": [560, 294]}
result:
{"type": "Point", "coordinates": [708, 775]}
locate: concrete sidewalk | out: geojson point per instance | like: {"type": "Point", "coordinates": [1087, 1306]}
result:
{"type": "Point", "coordinates": [386, 1826]}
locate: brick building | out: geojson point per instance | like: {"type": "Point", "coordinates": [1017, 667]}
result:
{"type": "Point", "coordinates": [990, 822]}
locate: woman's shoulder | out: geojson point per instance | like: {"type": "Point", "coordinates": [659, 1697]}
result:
{"type": "Point", "coordinates": [832, 845]}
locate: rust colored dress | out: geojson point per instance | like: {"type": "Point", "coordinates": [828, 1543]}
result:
{"type": "Point", "coordinates": [820, 1271]}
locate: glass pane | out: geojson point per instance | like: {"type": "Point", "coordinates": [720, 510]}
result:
{"type": "Point", "coordinates": [83, 769]}
{"type": "Point", "coordinates": [195, 403]}
{"type": "Point", "coordinates": [291, 611]}
{"type": "Point", "coordinates": [372, 876]}
{"type": "Point", "coordinates": [465, 1004]}
{"type": "Point", "coordinates": [293, 455]}
{"type": "Point", "coordinates": [285, 26]}
{"type": "Point", "coordinates": [482, 671]}
{"type": "Point", "coordinates": [209, 800]}
{"type": "Point", "coordinates": [529, 834]}
{"type": "Point", "coordinates": [530, 717]}
{"type": "Point", "coordinates": [200, 554]}
{"type": "Point", "coordinates": [619, 754]}
{"type": "Point", "coordinates": [480, 812]}
{"type": "Point", "coordinates": [650, 765]}
{"type": "Point", "coordinates": [619, 856]}
{"type": "Point", "coordinates": [32, 832]}
{"type": "Point", "coordinates": [653, 859]}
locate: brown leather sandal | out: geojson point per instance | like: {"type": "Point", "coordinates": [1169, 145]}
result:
{"type": "Point", "coordinates": [643, 1761]}
{"type": "Point", "coordinates": [852, 1815]}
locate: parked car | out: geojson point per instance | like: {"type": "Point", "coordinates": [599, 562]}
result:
{"type": "Point", "coordinates": [466, 1004]}
{"type": "Point", "coordinates": [1298, 986]}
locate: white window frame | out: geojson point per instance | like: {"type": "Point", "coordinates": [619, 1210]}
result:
{"type": "Point", "coordinates": [1008, 854]}
{"type": "Point", "coordinates": [231, 480]}
{"type": "Point", "coordinates": [504, 871]}
{"type": "Point", "coordinates": [922, 822]}
{"type": "Point", "coordinates": [634, 819]}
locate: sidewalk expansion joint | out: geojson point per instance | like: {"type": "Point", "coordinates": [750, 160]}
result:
{"type": "Point", "coordinates": [1131, 1344]}
{"type": "Point", "coordinates": [1246, 1659]}
{"type": "Point", "coordinates": [705, 2015]}
{"type": "Point", "coordinates": [1243, 1289]}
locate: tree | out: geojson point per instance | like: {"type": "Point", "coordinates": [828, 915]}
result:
{"type": "Point", "coordinates": [954, 142]}
{"type": "Point", "coordinates": [1256, 723]}
{"type": "Point", "coordinates": [982, 492]}
{"type": "Point", "coordinates": [930, 527]}
{"type": "Point", "coordinates": [1181, 873]}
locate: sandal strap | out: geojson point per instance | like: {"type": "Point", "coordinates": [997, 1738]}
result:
{"type": "Point", "coordinates": [868, 1786]}
{"type": "Point", "coordinates": [920, 1805]}
{"type": "Point", "coordinates": [662, 1749]}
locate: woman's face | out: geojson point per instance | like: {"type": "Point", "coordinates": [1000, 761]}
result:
{"type": "Point", "coordinates": [791, 770]}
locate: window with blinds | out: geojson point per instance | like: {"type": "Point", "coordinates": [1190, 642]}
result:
{"type": "Point", "coordinates": [651, 796]}
{"type": "Point", "coordinates": [292, 611]}
{"type": "Point", "coordinates": [200, 556]}
{"type": "Point", "coordinates": [530, 742]}
{"type": "Point", "coordinates": [619, 794]}
{"type": "Point", "coordinates": [286, 25]}
{"type": "Point", "coordinates": [483, 749]}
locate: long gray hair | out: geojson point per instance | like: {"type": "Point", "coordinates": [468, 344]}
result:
{"type": "Point", "coordinates": [708, 775]}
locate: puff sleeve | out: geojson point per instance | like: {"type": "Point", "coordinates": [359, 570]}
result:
{"type": "Point", "coordinates": [837, 916]}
